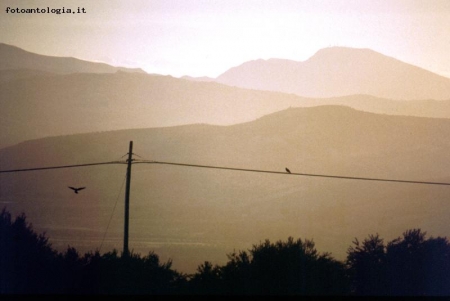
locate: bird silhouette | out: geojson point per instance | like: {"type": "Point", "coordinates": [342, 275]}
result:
{"type": "Point", "coordinates": [76, 189]}
{"type": "Point", "coordinates": [287, 169]}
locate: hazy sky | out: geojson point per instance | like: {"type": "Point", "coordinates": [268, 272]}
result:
{"type": "Point", "coordinates": [207, 37]}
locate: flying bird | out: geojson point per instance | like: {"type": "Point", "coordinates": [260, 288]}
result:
{"type": "Point", "coordinates": [287, 169]}
{"type": "Point", "coordinates": [76, 189]}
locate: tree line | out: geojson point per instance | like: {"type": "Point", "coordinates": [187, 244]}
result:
{"type": "Point", "coordinates": [410, 265]}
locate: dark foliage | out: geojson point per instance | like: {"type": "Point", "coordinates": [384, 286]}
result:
{"type": "Point", "coordinates": [28, 265]}
{"type": "Point", "coordinates": [407, 266]}
{"type": "Point", "coordinates": [293, 267]}
{"type": "Point", "coordinates": [366, 266]}
{"type": "Point", "coordinates": [132, 274]}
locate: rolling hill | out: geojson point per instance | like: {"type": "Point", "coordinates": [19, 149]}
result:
{"type": "Point", "coordinates": [12, 57]}
{"type": "Point", "coordinates": [35, 104]}
{"type": "Point", "coordinates": [41, 96]}
{"type": "Point", "coordinates": [193, 214]}
{"type": "Point", "coordinates": [40, 106]}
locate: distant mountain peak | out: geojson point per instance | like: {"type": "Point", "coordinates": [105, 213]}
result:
{"type": "Point", "coordinates": [340, 71]}
{"type": "Point", "coordinates": [343, 49]}
{"type": "Point", "coordinates": [339, 53]}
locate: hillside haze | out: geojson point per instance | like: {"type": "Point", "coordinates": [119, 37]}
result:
{"type": "Point", "coordinates": [12, 57]}
{"type": "Point", "coordinates": [192, 214]}
{"type": "Point", "coordinates": [36, 104]}
{"type": "Point", "coordinates": [340, 71]}
{"type": "Point", "coordinates": [47, 105]}
{"type": "Point", "coordinates": [44, 96]}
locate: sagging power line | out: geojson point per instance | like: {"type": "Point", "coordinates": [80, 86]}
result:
{"type": "Point", "coordinates": [131, 161]}
{"type": "Point", "coordinates": [62, 166]}
{"type": "Point", "coordinates": [294, 173]}
{"type": "Point", "coordinates": [229, 168]}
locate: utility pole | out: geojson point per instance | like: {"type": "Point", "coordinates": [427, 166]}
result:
{"type": "Point", "coordinates": [127, 201]}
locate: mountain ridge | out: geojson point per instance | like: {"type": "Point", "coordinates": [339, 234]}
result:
{"type": "Point", "coordinates": [39, 105]}
{"type": "Point", "coordinates": [13, 57]}
{"type": "Point", "coordinates": [340, 71]}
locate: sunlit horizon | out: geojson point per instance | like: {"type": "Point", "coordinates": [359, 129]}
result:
{"type": "Point", "coordinates": [205, 38]}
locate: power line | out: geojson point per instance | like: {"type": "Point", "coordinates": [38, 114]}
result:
{"type": "Point", "coordinates": [112, 214]}
{"type": "Point", "coordinates": [62, 166]}
{"type": "Point", "coordinates": [295, 174]}
{"type": "Point", "coordinates": [231, 168]}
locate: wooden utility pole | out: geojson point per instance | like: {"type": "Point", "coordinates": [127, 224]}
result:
{"type": "Point", "coordinates": [127, 201]}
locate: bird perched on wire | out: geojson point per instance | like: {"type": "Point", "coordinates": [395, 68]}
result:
{"type": "Point", "coordinates": [287, 169]}
{"type": "Point", "coordinates": [76, 189]}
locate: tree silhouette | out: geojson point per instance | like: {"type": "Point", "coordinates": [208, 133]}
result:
{"type": "Point", "coordinates": [237, 274]}
{"type": "Point", "coordinates": [296, 267]}
{"type": "Point", "coordinates": [71, 272]}
{"type": "Point", "coordinates": [419, 266]}
{"type": "Point", "coordinates": [293, 267]}
{"type": "Point", "coordinates": [131, 274]}
{"type": "Point", "coordinates": [207, 280]}
{"type": "Point", "coordinates": [366, 266]}
{"type": "Point", "coordinates": [408, 266]}
{"type": "Point", "coordinates": [28, 264]}
{"type": "Point", "coordinates": [411, 265]}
